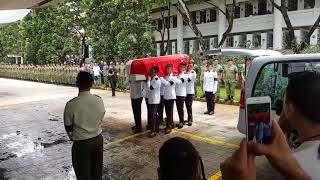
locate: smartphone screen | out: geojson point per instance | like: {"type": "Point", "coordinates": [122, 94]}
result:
{"type": "Point", "coordinates": [259, 123]}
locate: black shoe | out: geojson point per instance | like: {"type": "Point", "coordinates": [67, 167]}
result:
{"type": "Point", "coordinates": [206, 112]}
{"type": "Point", "coordinates": [189, 123]}
{"type": "Point", "coordinates": [180, 125]}
{"type": "Point", "coordinates": [211, 113]}
{"type": "Point", "coordinates": [153, 134]}
{"type": "Point", "coordinates": [167, 131]}
{"type": "Point", "coordinates": [138, 130]}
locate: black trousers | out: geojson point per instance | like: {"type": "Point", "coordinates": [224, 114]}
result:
{"type": "Point", "coordinates": [113, 85]}
{"type": "Point", "coordinates": [189, 102]}
{"type": "Point", "coordinates": [87, 158]}
{"type": "Point", "coordinates": [169, 113]}
{"type": "Point", "coordinates": [160, 110]}
{"type": "Point", "coordinates": [136, 109]}
{"type": "Point", "coordinates": [154, 123]}
{"type": "Point", "coordinates": [148, 114]}
{"type": "Point", "coordinates": [210, 97]}
{"type": "Point", "coordinates": [180, 107]}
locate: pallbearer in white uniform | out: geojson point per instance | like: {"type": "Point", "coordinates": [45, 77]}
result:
{"type": "Point", "coordinates": [136, 96]}
{"type": "Point", "coordinates": [169, 83]}
{"type": "Point", "coordinates": [210, 85]}
{"type": "Point", "coordinates": [192, 76]}
{"type": "Point", "coordinates": [154, 84]}
{"type": "Point", "coordinates": [181, 93]}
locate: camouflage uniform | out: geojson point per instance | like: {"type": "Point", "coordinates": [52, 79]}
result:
{"type": "Point", "coordinates": [219, 69]}
{"type": "Point", "coordinates": [230, 81]}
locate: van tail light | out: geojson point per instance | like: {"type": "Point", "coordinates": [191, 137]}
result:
{"type": "Point", "coordinates": [242, 99]}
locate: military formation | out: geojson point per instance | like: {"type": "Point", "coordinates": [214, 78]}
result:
{"type": "Point", "coordinates": [53, 73]}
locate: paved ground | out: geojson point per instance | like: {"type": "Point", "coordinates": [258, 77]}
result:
{"type": "Point", "coordinates": [33, 144]}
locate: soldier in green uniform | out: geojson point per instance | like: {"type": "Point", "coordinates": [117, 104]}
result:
{"type": "Point", "coordinates": [244, 70]}
{"type": "Point", "coordinates": [230, 79]}
{"type": "Point", "coordinates": [219, 69]}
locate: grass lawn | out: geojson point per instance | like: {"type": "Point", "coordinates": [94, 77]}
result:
{"type": "Point", "coordinates": [223, 94]}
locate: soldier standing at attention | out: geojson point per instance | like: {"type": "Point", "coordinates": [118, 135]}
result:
{"type": "Point", "coordinates": [192, 76]}
{"type": "Point", "coordinates": [169, 83]}
{"type": "Point", "coordinates": [219, 70]}
{"type": "Point", "coordinates": [231, 78]}
{"type": "Point", "coordinates": [181, 93]}
{"type": "Point", "coordinates": [83, 116]}
{"type": "Point", "coordinates": [154, 100]}
{"type": "Point", "coordinates": [210, 83]}
{"type": "Point", "coordinates": [136, 100]}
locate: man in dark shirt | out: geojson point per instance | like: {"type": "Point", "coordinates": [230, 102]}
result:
{"type": "Point", "coordinates": [113, 78]}
{"type": "Point", "coordinates": [101, 66]}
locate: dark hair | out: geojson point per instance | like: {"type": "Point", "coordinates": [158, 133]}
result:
{"type": "Point", "coordinates": [84, 79]}
{"type": "Point", "coordinates": [178, 159]}
{"type": "Point", "coordinates": [304, 92]}
{"type": "Point", "coordinates": [209, 64]}
{"type": "Point", "coordinates": [169, 65]}
{"type": "Point", "coordinates": [183, 63]}
{"type": "Point", "coordinates": [155, 68]}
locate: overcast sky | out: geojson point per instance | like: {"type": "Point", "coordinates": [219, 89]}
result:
{"type": "Point", "coordinates": [8, 16]}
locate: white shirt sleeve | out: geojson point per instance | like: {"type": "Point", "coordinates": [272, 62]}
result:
{"type": "Point", "coordinates": [215, 83]}
{"type": "Point", "coordinates": [165, 82]}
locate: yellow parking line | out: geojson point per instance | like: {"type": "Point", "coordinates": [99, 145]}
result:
{"type": "Point", "coordinates": [123, 139]}
{"type": "Point", "coordinates": [216, 176]}
{"type": "Point", "coordinates": [216, 141]}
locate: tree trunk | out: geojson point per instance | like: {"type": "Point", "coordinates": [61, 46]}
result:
{"type": "Point", "coordinates": [230, 18]}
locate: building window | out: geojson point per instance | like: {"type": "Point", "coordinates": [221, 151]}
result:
{"type": "Point", "coordinates": [206, 44]}
{"type": "Point", "coordinates": [169, 52]}
{"type": "Point", "coordinates": [175, 21]}
{"type": "Point", "coordinates": [159, 23]}
{"type": "Point", "coordinates": [292, 5]}
{"type": "Point", "coordinates": [213, 15]}
{"type": "Point", "coordinates": [256, 40]}
{"type": "Point", "coordinates": [186, 47]}
{"type": "Point", "coordinates": [262, 5]}
{"type": "Point", "coordinates": [203, 16]}
{"type": "Point", "coordinates": [248, 10]}
{"type": "Point", "coordinates": [229, 41]}
{"type": "Point", "coordinates": [194, 16]}
{"type": "Point", "coordinates": [308, 4]}
{"type": "Point", "coordinates": [167, 22]}
{"type": "Point", "coordinates": [237, 12]}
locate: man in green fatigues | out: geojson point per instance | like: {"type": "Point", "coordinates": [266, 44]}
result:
{"type": "Point", "coordinates": [230, 79]}
{"type": "Point", "coordinates": [244, 70]}
{"type": "Point", "coordinates": [219, 69]}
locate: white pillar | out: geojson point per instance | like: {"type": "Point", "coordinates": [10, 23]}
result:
{"type": "Point", "coordinates": [277, 28]}
{"type": "Point", "coordinates": [300, 4]}
{"type": "Point", "coordinates": [180, 44]}
{"type": "Point", "coordinates": [255, 5]}
{"type": "Point", "coordinates": [242, 10]}
{"type": "Point", "coordinates": [249, 42]}
{"type": "Point", "coordinates": [174, 48]}
{"type": "Point", "coordinates": [171, 22]}
{"type": "Point", "coordinates": [158, 49]}
{"type": "Point", "coordinates": [222, 21]}
{"type": "Point", "coordinates": [21, 60]}
{"type": "Point", "coordinates": [191, 46]}
{"type": "Point", "coordinates": [264, 40]}
{"type": "Point", "coordinates": [236, 40]}
{"type": "Point", "coordinates": [212, 43]}
{"type": "Point", "coordinates": [16, 58]}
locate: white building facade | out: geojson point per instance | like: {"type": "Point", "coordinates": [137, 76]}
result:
{"type": "Point", "coordinates": [257, 24]}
